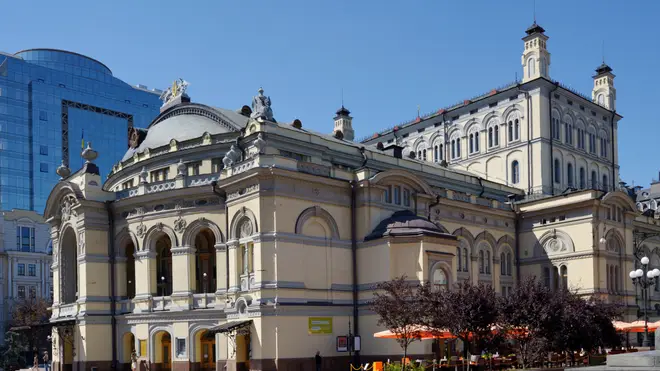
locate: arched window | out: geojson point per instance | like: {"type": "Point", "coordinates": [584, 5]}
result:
{"type": "Point", "coordinates": [564, 276]}
{"type": "Point", "coordinates": [515, 172]}
{"type": "Point", "coordinates": [503, 264]}
{"type": "Point", "coordinates": [594, 180]}
{"type": "Point", "coordinates": [604, 186]}
{"type": "Point", "coordinates": [205, 272]}
{"type": "Point", "coordinates": [164, 266]}
{"type": "Point", "coordinates": [531, 68]}
{"type": "Point", "coordinates": [557, 171]}
{"type": "Point", "coordinates": [569, 174]}
{"type": "Point", "coordinates": [543, 67]}
{"type": "Point", "coordinates": [421, 152]}
{"type": "Point", "coordinates": [583, 181]}
{"type": "Point", "coordinates": [465, 259]}
{"type": "Point", "coordinates": [482, 264]}
{"type": "Point", "coordinates": [509, 263]}
{"type": "Point", "coordinates": [591, 133]}
{"type": "Point", "coordinates": [435, 153]}
{"type": "Point", "coordinates": [616, 278]}
{"type": "Point", "coordinates": [459, 261]}
{"type": "Point", "coordinates": [568, 130]}
{"type": "Point", "coordinates": [440, 279]}
{"type": "Point", "coordinates": [456, 147]}
{"type": "Point", "coordinates": [580, 134]}
{"type": "Point", "coordinates": [556, 134]}
{"type": "Point", "coordinates": [601, 99]}
{"type": "Point", "coordinates": [487, 262]}
{"type": "Point", "coordinates": [514, 129]}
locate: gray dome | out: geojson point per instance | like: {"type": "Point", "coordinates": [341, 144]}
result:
{"type": "Point", "coordinates": [188, 121]}
{"type": "Point", "coordinates": [405, 223]}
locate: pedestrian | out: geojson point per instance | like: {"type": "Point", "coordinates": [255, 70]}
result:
{"type": "Point", "coordinates": [46, 361]}
{"type": "Point", "coordinates": [319, 360]}
{"type": "Point", "coordinates": [36, 362]}
{"type": "Point", "coordinates": [134, 359]}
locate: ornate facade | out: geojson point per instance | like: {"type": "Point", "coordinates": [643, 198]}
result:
{"type": "Point", "coordinates": [223, 238]}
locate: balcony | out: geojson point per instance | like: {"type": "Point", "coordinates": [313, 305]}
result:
{"type": "Point", "coordinates": [125, 306]}
{"type": "Point", "coordinates": [203, 301]}
{"type": "Point", "coordinates": [68, 310]}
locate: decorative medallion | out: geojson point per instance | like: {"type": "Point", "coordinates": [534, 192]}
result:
{"type": "Point", "coordinates": [246, 228]}
{"type": "Point", "coordinates": [180, 225]}
{"type": "Point", "coordinates": [67, 207]}
{"type": "Point", "coordinates": [316, 191]}
{"type": "Point", "coordinates": [141, 230]}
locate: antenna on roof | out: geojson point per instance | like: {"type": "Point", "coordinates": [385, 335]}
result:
{"type": "Point", "coordinates": [418, 111]}
{"type": "Point", "coordinates": [603, 51]}
{"type": "Point", "coordinates": [534, 11]}
{"type": "Point", "coordinates": [342, 96]}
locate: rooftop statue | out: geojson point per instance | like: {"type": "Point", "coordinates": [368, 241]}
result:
{"type": "Point", "coordinates": [261, 107]}
{"type": "Point", "coordinates": [177, 89]}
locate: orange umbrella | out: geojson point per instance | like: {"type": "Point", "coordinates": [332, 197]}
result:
{"type": "Point", "coordinates": [425, 333]}
{"type": "Point", "coordinates": [635, 326]}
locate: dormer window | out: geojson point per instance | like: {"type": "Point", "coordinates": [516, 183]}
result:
{"type": "Point", "coordinates": [397, 195]}
{"type": "Point", "coordinates": [159, 175]}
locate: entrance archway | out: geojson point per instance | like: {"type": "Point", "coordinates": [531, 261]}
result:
{"type": "Point", "coordinates": [128, 347]}
{"type": "Point", "coordinates": [164, 266]}
{"type": "Point", "coordinates": [69, 269]}
{"type": "Point", "coordinates": [205, 350]}
{"type": "Point", "coordinates": [205, 273]}
{"type": "Point", "coordinates": [162, 350]}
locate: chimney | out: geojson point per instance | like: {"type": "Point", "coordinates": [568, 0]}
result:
{"type": "Point", "coordinates": [393, 150]}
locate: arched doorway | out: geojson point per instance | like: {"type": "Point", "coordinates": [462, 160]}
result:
{"type": "Point", "coordinates": [130, 270]}
{"type": "Point", "coordinates": [128, 347]}
{"type": "Point", "coordinates": [205, 274]}
{"type": "Point", "coordinates": [69, 270]}
{"type": "Point", "coordinates": [205, 350]}
{"type": "Point", "coordinates": [162, 350]}
{"type": "Point", "coordinates": [164, 266]}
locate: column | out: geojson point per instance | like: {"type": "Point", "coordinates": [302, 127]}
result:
{"type": "Point", "coordinates": [221, 268]}
{"type": "Point", "coordinates": [234, 280]}
{"type": "Point", "coordinates": [145, 280]}
{"type": "Point", "coordinates": [474, 268]}
{"type": "Point", "coordinates": [496, 272]}
{"type": "Point", "coordinates": [183, 276]}
{"type": "Point", "coordinates": [10, 276]}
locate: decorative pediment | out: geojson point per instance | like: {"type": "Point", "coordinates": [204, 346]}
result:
{"type": "Point", "coordinates": [555, 242]}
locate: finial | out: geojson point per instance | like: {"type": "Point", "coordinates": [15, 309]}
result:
{"type": "Point", "coordinates": [261, 90]}
{"type": "Point", "coordinates": [534, 10]}
{"type": "Point", "coordinates": [603, 51]}
{"type": "Point", "coordinates": [89, 154]}
{"type": "Point", "coordinates": [342, 97]}
{"type": "Point", "coordinates": [63, 171]}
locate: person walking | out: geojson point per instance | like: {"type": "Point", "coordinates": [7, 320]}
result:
{"type": "Point", "coordinates": [35, 365]}
{"type": "Point", "coordinates": [319, 361]}
{"type": "Point", "coordinates": [46, 361]}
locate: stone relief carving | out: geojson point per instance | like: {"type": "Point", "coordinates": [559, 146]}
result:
{"type": "Point", "coordinates": [81, 243]}
{"type": "Point", "coordinates": [554, 246]}
{"type": "Point", "coordinates": [67, 207]}
{"type": "Point", "coordinates": [141, 230]}
{"type": "Point", "coordinates": [260, 143]}
{"type": "Point", "coordinates": [243, 191]}
{"type": "Point", "coordinates": [180, 225]}
{"type": "Point", "coordinates": [246, 228]}
{"type": "Point", "coordinates": [160, 226]}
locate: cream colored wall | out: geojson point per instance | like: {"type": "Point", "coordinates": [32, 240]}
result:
{"type": "Point", "coordinates": [87, 348]}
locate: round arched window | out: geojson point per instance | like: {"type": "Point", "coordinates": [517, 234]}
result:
{"type": "Point", "coordinates": [440, 279]}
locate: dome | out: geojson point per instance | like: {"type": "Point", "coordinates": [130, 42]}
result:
{"type": "Point", "coordinates": [405, 223]}
{"type": "Point", "coordinates": [187, 121]}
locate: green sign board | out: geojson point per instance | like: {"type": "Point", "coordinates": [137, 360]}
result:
{"type": "Point", "coordinates": [319, 325]}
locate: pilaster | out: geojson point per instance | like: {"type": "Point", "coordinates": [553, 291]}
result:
{"type": "Point", "coordinates": [183, 276]}
{"type": "Point", "coordinates": [234, 279]}
{"type": "Point", "coordinates": [145, 280]}
{"type": "Point", "coordinates": [221, 268]}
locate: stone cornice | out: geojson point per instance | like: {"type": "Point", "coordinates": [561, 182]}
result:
{"type": "Point", "coordinates": [139, 255]}
{"type": "Point", "coordinates": [220, 247]}
{"type": "Point", "coordinates": [183, 250]}
{"type": "Point", "coordinates": [93, 258]}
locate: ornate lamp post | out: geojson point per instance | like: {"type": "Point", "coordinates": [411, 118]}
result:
{"type": "Point", "coordinates": [645, 278]}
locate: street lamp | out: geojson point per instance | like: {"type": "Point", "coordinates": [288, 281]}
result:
{"type": "Point", "coordinates": [645, 278]}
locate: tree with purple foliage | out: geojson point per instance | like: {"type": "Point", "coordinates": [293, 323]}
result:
{"type": "Point", "coordinates": [398, 306]}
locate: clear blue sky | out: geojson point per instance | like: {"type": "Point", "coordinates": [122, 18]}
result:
{"type": "Point", "coordinates": [388, 56]}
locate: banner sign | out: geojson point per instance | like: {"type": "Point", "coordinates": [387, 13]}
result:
{"type": "Point", "coordinates": [319, 325]}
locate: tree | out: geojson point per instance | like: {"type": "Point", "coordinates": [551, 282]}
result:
{"type": "Point", "coordinates": [472, 312]}
{"type": "Point", "coordinates": [397, 303]}
{"type": "Point", "coordinates": [11, 352]}
{"type": "Point", "coordinates": [28, 316]}
{"type": "Point", "coordinates": [527, 318]}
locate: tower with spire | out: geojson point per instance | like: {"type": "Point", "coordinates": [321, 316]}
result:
{"type": "Point", "coordinates": [535, 57]}
{"type": "Point", "coordinates": [344, 124]}
{"type": "Point", "coordinates": [603, 92]}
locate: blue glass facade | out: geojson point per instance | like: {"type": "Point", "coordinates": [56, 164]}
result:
{"type": "Point", "coordinates": [50, 101]}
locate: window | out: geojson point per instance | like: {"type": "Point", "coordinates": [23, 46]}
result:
{"type": "Point", "coordinates": [474, 142]}
{"type": "Point", "coordinates": [594, 180]}
{"type": "Point", "coordinates": [515, 172]}
{"type": "Point", "coordinates": [438, 152]}
{"type": "Point", "coordinates": [180, 347]}
{"type": "Point", "coordinates": [21, 269]}
{"type": "Point", "coordinates": [456, 148]}
{"type": "Point", "coordinates": [604, 186]}
{"type": "Point", "coordinates": [33, 292]}
{"type": "Point", "coordinates": [32, 270]}
{"type": "Point", "coordinates": [25, 239]}
{"type": "Point", "coordinates": [514, 130]}
{"type": "Point", "coordinates": [459, 264]}
{"type": "Point", "coordinates": [582, 179]}
{"type": "Point", "coordinates": [465, 259]}
{"type": "Point", "coordinates": [440, 279]}
{"type": "Point", "coordinates": [397, 195]}
{"type": "Point", "coordinates": [502, 264]}
{"type": "Point", "coordinates": [487, 262]}
{"type": "Point", "coordinates": [580, 138]}
{"type": "Point", "coordinates": [43, 150]}
{"type": "Point", "coordinates": [494, 135]}
{"type": "Point", "coordinates": [555, 128]}
{"type": "Point", "coordinates": [127, 184]}
{"type": "Point", "coordinates": [557, 171]}
{"type": "Point", "coordinates": [482, 264]}
{"type": "Point", "coordinates": [216, 165]}
{"type": "Point", "coordinates": [603, 147]}
{"type": "Point", "coordinates": [564, 276]}
{"type": "Point", "coordinates": [43, 167]}
{"type": "Point", "coordinates": [531, 68]}
{"type": "Point", "coordinates": [568, 130]}
{"type": "Point", "coordinates": [569, 174]}
{"type": "Point", "coordinates": [43, 115]}
{"type": "Point", "coordinates": [406, 197]}
{"type": "Point", "coordinates": [159, 175]}
{"type": "Point", "coordinates": [592, 140]}
{"type": "Point", "coordinates": [193, 168]}
{"type": "Point", "coordinates": [21, 292]}
{"type": "Point", "coordinates": [388, 194]}
{"type": "Point", "coordinates": [601, 99]}
{"type": "Point", "coordinates": [546, 277]}
{"type": "Point", "coordinates": [509, 264]}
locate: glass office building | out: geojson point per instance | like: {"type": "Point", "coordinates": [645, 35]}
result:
{"type": "Point", "coordinates": [52, 100]}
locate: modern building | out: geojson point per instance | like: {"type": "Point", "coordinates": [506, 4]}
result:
{"type": "Point", "coordinates": [51, 100]}
{"type": "Point", "coordinates": [245, 243]}
{"type": "Point", "coordinates": [25, 260]}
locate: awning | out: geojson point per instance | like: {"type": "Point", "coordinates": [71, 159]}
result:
{"type": "Point", "coordinates": [230, 326]}
{"type": "Point", "coordinates": [65, 323]}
